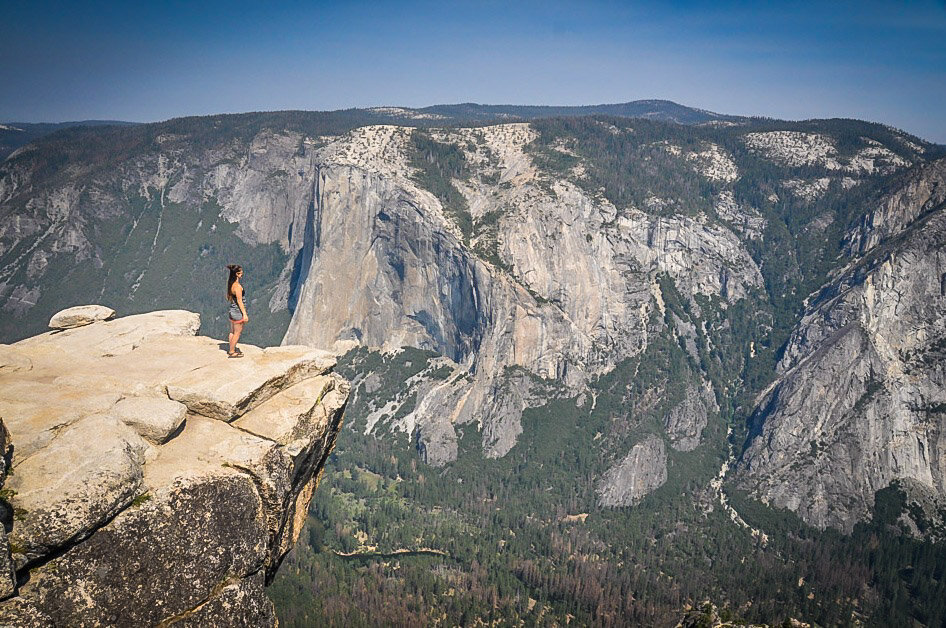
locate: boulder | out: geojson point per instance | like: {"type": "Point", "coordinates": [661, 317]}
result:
{"type": "Point", "coordinates": [80, 316]}
{"type": "Point", "coordinates": [154, 418]}
{"type": "Point", "coordinates": [72, 486]}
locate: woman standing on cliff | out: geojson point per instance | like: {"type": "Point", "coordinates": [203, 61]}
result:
{"type": "Point", "coordinates": [237, 313]}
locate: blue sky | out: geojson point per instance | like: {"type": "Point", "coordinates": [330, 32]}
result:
{"type": "Point", "coordinates": [881, 61]}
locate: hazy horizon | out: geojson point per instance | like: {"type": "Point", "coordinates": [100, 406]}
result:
{"type": "Point", "coordinates": [878, 61]}
{"type": "Point", "coordinates": [732, 113]}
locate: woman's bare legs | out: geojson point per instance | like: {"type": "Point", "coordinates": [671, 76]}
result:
{"type": "Point", "coordinates": [230, 336]}
{"type": "Point", "coordinates": [237, 329]}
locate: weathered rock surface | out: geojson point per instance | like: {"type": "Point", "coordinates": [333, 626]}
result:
{"type": "Point", "coordinates": [640, 472]}
{"type": "Point", "coordinates": [6, 450]}
{"type": "Point", "coordinates": [251, 382]}
{"type": "Point", "coordinates": [154, 418]}
{"type": "Point", "coordinates": [861, 398]}
{"type": "Point", "coordinates": [385, 266]}
{"type": "Point", "coordinates": [83, 477]}
{"type": "Point", "coordinates": [241, 603]}
{"type": "Point", "coordinates": [921, 190]}
{"type": "Point", "coordinates": [686, 420]}
{"type": "Point", "coordinates": [80, 315]}
{"type": "Point", "coordinates": [7, 569]}
{"type": "Point", "coordinates": [131, 508]}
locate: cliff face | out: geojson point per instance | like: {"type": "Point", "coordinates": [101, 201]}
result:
{"type": "Point", "coordinates": [152, 480]}
{"type": "Point", "coordinates": [554, 263]}
{"type": "Point", "coordinates": [552, 280]}
{"type": "Point", "coordinates": [860, 401]}
{"type": "Point", "coordinates": [641, 471]}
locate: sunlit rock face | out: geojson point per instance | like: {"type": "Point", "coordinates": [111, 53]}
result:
{"type": "Point", "coordinates": [641, 471]}
{"type": "Point", "coordinates": [152, 479]}
{"type": "Point", "coordinates": [565, 289]}
{"type": "Point", "coordinates": [860, 398]}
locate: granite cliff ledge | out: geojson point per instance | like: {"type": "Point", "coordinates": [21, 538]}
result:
{"type": "Point", "coordinates": [149, 480]}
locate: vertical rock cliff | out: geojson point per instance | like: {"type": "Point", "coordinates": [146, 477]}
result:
{"type": "Point", "coordinates": [533, 255]}
{"type": "Point", "coordinates": [550, 278]}
{"type": "Point", "coordinates": [149, 479]}
{"type": "Point", "coordinates": [860, 401]}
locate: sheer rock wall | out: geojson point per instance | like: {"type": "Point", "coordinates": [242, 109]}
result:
{"type": "Point", "coordinates": [860, 401]}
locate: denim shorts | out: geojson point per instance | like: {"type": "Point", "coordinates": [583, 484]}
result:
{"type": "Point", "coordinates": [235, 313]}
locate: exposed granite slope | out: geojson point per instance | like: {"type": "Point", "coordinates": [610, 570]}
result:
{"type": "Point", "coordinates": [153, 480]}
{"type": "Point", "coordinates": [686, 420]}
{"type": "Point", "coordinates": [861, 398]}
{"type": "Point", "coordinates": [642, 471]}
{"type": "Point", "coordinates": [564, 288]}
{"type": "Point", "coordinates": [921, 190]}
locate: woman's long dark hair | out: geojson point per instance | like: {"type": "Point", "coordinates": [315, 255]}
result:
{"type": "Point", "coordinates": [234, 269]}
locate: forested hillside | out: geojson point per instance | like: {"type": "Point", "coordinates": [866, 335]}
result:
{"type": "Point", "coordinates": [525, 540]}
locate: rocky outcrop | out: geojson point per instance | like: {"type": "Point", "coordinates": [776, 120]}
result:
{"type": "Point", "coordinates": [795, 148]}
{"type": "Point", "coordinates": [153, 480]}
{"type": "Point", "coordinates": [642, 471]}
{"type": "Point", "coordinates": [920, 191]}
{"type": "Point", "coordinates": [80, 315]}
{"type": "Point", "coordinates": [860, 402]}
{"type": "Point", "coordinates": [686, 420]}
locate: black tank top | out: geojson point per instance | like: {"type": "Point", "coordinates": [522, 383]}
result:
{"type": "Point", "coordinates": [233, 300]}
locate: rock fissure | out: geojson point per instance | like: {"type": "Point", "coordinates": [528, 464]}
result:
{"type": "Point", "coordinates": [266, 495]}
{"type": "Point", "coordinates": [23, 569]}
{"type": "Point", "coordinates": [248, 431]}
{"type": "Point", "coordinates": [170, 621]}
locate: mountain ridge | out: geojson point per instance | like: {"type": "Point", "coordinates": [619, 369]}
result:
{"type": "Point", "coordinates": [460, 113]}
{"type": "Point", "coordinates": [13, 135]}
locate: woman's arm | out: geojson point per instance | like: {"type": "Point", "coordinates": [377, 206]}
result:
{"type": "Point", "coordinates": [238, 293]}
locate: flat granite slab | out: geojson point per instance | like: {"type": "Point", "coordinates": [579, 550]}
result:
{"type": "Point", "coordinates": [226, 393]}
